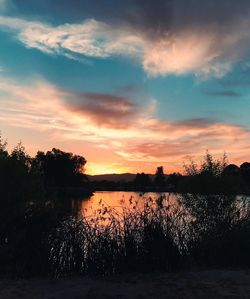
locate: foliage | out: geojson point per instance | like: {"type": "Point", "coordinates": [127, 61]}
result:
{"type": "Point", "coordinates": [209, 177]}
{"type": "Point", "coordinates": [142, 180]}
{"type": "Point", "coordinates": [28, 211]}
{"type": "Point", "coordinates": [37, 236]}
{"type": "Point", "coordinates": [159, 176]}
{"type": "Point", "coordinates": [3, 146]}
{"type": "Point", "coordinates": [112, 241]}
{"type": "Point", "coordinates": [219, 230]}
{"type": "Point", "coordinates": [198, 231]}
{"type": "Point", "coordinates": [208, 167]}
{"type": "Point", "coordinates": [60, 168]}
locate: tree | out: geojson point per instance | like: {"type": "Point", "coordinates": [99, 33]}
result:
{"type": "Point", "coordinates": [19, 154]}
{"type": "Point", "coordinates": [245, 171]}
{"type": "Point", "coordinates": [159, 176]}
{"type": "Point", "coordinates": [60, 169]}
{"type": "Point", "coordinates": [213, 167]}
{"type": "Point", "coordinates": [3, 146]}
{"type": "Point", "coordinates": [231, 170]}
{"type": "Point", "coordinates": [208, 167]}
{"type": "Point", "coordinates": [205, 178]}
{"type": "Point", "coordinates": [142, 180]}
{"type": "Point", "coordinates": [174, 179]}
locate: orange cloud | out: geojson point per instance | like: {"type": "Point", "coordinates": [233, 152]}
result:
{"type": "Point", "coordinates": [132, 140]}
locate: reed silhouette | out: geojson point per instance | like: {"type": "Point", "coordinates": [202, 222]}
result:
{"type": "Point", "coordinates": [208, 226]}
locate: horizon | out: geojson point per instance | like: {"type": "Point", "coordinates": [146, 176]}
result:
{"type": "Point", "coordinates": [155, 83]}
{"type": "Point", "coordinates": [196, 160]}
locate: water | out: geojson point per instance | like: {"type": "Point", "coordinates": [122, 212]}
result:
{"type": "Point", "coordinates": [119, 199]}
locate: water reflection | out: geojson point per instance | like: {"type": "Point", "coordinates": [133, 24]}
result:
{"type": "Point", "coordinates": [119, 199]}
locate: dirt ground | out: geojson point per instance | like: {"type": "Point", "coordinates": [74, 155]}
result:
{"type": "Point", "coordinates": [190, 285]}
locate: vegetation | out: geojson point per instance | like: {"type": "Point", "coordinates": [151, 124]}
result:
{"type": "Point", "coordinates": [208, 226]}
{"type": "Point", "coordinates": [214, 177]}
{"type": "Point", "coordinates": [211, 176]}
{"type": "Point", "coordinates": [29, 207]}
{"type": "Point", "coordinates": [159, 177]}
{"type": "Point", "coordinates": [198, 231]}
{"type": "Point", "coordinates": [134, 239]}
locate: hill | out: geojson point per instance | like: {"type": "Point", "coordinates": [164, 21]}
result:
{"type": "Point", "coordinates": [114, 177]}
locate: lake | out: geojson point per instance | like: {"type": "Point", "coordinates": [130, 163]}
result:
{"type": "Point", "coordinates": [117, 200]}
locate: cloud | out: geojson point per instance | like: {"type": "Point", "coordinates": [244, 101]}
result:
{"type": "Point", "coordinates": [113, 128]}
{"type": "Point", "coordinates": [89, 38]}
{"type": "Point", "coordinates": [164, 37]}
{"type": "Point", "coordinates": [161, 125]}
{"type": "Point", "coordinates": [104, 109]}
{"type": "Point", "coordinates": [58, 108]}
{"type": "Point", "coordinates": [147, 15]}
{"type": "Point", "coordinates": [181, 141]}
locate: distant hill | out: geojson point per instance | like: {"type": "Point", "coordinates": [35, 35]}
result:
{"type": "Point", "coordinates": [114, 177]}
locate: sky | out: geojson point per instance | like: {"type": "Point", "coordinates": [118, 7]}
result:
{"type": "Point", "coordinates": [130, 85]}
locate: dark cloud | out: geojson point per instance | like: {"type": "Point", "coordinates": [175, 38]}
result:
{"type": "Point", "coordinates": [104, 109]}
{"type": "Point", "coordinates": [143, 12]}
{"type": "Point", "coordinates": [150, 15]}
{"type": "Point", "coordinates": [224, 93]}
{"type": "Point", "coordinates": [206, 37]}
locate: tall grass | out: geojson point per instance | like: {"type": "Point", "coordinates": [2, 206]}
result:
{"type": "Point", "coordinates": [219, 230]}
{"type": "Point", "coordinates": [197, 231]}
{"type": "Point", "coordinates": [136, 238]}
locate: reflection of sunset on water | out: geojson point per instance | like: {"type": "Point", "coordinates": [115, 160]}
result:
{"type": "Point", "coordinates": [119, 199]}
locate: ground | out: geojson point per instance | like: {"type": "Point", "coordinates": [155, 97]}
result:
{"type": "Point", "coordinates": [191, 285]}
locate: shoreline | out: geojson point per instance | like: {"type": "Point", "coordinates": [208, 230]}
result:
{"type": "Point", "coordinates": [190, 285]}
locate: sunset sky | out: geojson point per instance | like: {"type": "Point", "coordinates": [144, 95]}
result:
{"type": "Point", "coordinates": [130, 84]}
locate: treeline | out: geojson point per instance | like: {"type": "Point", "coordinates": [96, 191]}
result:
{"type": "Point", "coordinates": [215, 176]}
{"type": "Point", "coordinates": [141, 182]}
{"type": "Point", "coordinates": [211, 176]}
{"type": "Point", "coordinates": [32, 203]}
{"type": "Point", "coordinates": [39, 236]}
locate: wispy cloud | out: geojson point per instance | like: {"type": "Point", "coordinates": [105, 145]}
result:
{"type": "Point", "coordinates": [205, 50]}
{"type": "Point", "coordinates": [90, 38]}
{"type": "Point", "coordinates": [181, 141]}
{"type": "Point", "coordinates": [137, 139]}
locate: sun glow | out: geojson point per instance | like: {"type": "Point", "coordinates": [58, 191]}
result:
{"type": "Point", "coordinates": [95, 169]}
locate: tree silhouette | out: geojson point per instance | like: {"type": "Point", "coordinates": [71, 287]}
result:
{"type": "Point", "coordinates": [231, 170]}
{"type": "Point", "coordinates": [207, 177]}
{"type": "Point", "coordinates": [3, 145]}
{"type": "Point", "coordinates": [142, 180]}
{"type": "Point", "coordinates": [19, 154]}
{"type": "Point", "coordinates": [159, 176]}
{"type": "Point", "coordinates": [60, 169]}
